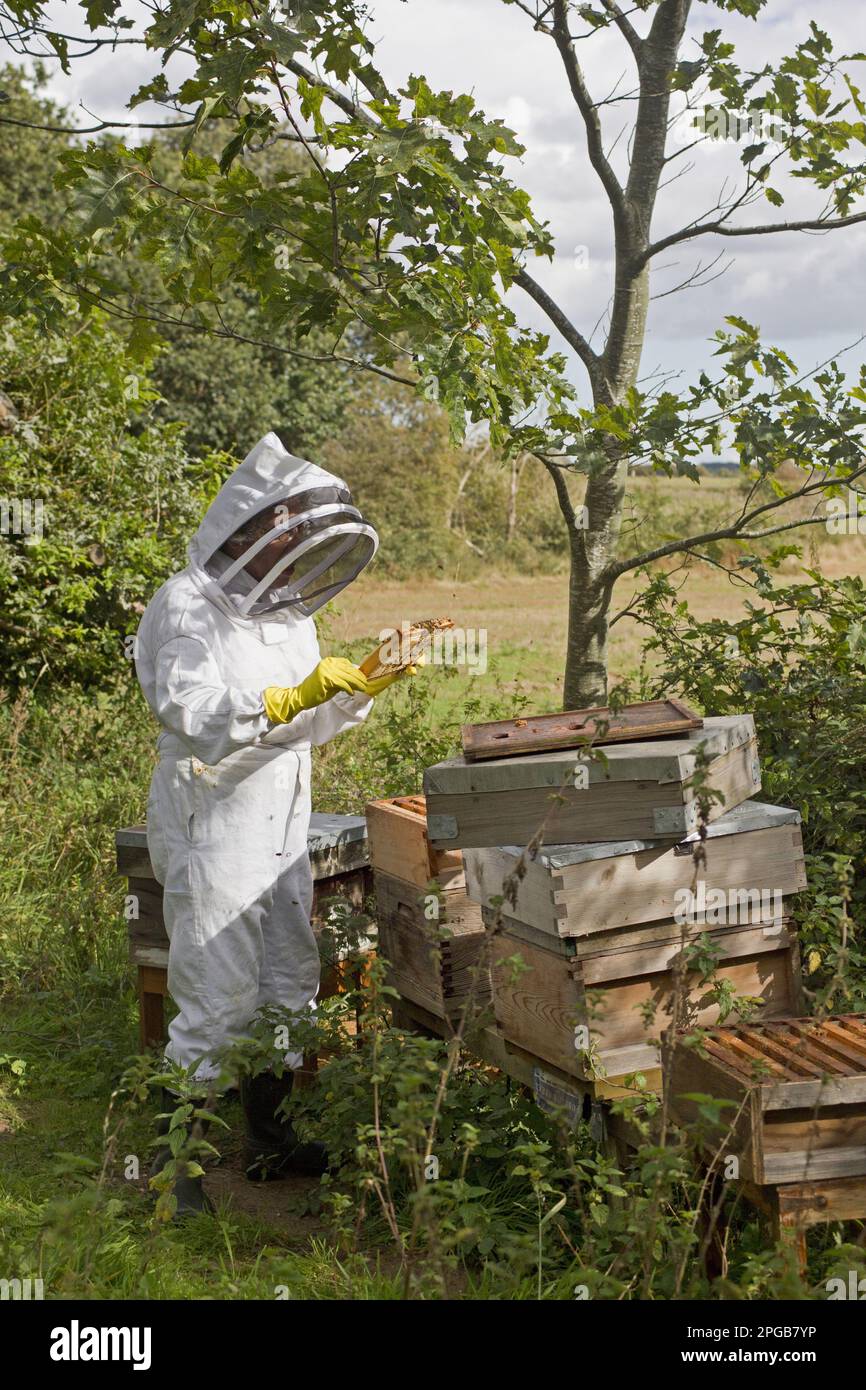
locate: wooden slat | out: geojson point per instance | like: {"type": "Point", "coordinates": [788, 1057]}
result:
{"type": "Point", "coordinates": [503, 738]}
{"type": "Point", "coordinates": [799, 1165]}
{"type": "Point", "coordinates": [743, 1056]}
{"type": "Point", "coordinates": [806, 1095]}
{"type": "Point", "coordinates": [793, 1055]}
{"type": "Point", "coordinates": [732, 1061]}
{"type": "Point", "coordinates": [817, 1047]}
{"type": "Point", "coordinates": [655, 957]}
{"type": "Point", "coordinates": [809, 1204]}
{"type": "Point", "coordinates": [854, 1038]}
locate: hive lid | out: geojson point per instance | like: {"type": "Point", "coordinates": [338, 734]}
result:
{"type": "Point", "coordinates": [328, 831]}
{"type": "Point", "coordinates": [749, 815]}
{"type": "Point", "coordinates": [672, 760]}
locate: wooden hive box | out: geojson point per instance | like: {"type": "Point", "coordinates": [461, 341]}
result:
{"type": "Point", "coordinates": [798, 1087]}
{"type": "Point", "coordinates": [602, 982]}
{"type": "Point", "coordinates": [625, 791]}
{"type": "Point", "coordinates": [339, 856]}
{"type": "Point", "coordinates": [430, 932]}
{"type": "Point", "coordinates": [576, 890]}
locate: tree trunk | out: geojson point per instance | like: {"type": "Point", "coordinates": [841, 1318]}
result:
{"type": "Point", "coordinates": [590, 590]}
{"type": "Point", "coordinates": [593, 549]}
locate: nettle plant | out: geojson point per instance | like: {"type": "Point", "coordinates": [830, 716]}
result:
{"type": "Point", "coordinates": [402, 237]}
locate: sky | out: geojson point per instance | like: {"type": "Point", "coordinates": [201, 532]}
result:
{"type": "Point", "coordinates": [805, 291]}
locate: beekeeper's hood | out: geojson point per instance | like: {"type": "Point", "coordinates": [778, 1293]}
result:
{"type": "Point", "coordinates": [325, 541]}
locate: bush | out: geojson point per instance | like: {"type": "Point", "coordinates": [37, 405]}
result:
{"type": "Point", "coordinates": [98, 504]}
{"type": "Point", "coordinates": [798, 662]}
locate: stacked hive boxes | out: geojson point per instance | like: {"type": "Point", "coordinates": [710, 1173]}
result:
{"type": "Point", "coordinates": [613, 910]}
{"type": "Point", "coordinates": [430, 933]}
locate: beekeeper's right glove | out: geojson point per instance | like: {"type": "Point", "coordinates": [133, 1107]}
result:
{"type": "Point", "coordinates": [333, 675]}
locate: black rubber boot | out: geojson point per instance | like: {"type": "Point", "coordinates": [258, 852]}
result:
{"type": "Point", "coordinates": [189, 1192]}
{"type": "Point", "coordinates": [273, 1149]}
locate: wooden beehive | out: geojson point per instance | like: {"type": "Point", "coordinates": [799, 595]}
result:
{"type": "Point", "coordinates": [429, 931]}
{"type": "Point", "coordinates": [576, 890]}
{"type": "Point", "coordinates": [397, 835]}
{"type": "Point", "coordinates": [605, 982]}
{"type": "Point", "coordinates": [339, 858]}
{"type": "Point", "coordinates": [337, 846]}
{"type": "Point", "coordinates": [627, 791]}
{"type": "Point", "coordinates": [798, 1093]}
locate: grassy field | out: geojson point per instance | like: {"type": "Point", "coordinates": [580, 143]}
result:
{"type": "Point", "coordinates": [525, 617]}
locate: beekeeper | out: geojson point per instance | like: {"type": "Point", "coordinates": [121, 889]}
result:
{"type": "Point", "coordinates": [228, 659]}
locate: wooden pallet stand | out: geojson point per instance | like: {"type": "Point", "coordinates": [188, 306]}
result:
{"type": "Point", "coordinates": [577, 890]}
{"type": "Point", "coordinates": [797, 1119]}
{"type": "Point", "coordinates": [339, 857]}
{"type": "Point", "coordinates": [625, 791]}
{"type": "Point", "coordinates": [430, 932]}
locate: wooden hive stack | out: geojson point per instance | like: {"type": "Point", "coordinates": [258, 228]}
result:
{"type": "Point", "coordinates": [602, 919]}
{"type": "Point", "coordinates": [429, 931]}
{"type": "Point", "coordinates": [606, 933]}
{"type": "Point", "coordinates": [339, 857]}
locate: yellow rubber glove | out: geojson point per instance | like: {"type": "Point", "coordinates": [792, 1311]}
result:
{"type": "Point", "coordinates": [333, 675]}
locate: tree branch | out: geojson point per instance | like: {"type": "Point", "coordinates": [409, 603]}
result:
{"type": "Point", "coordinates": [737, 530]}
{"type": "Point", "coordinates": [719, 228]}
{"type": "Point", "coordinates": [565, 502]}
{"type": "Point", "coordinates": [133, 315]}
{"type": "Point", "coordinates": [557, 316]}
{"type": "Point", "coordinates": [585, 105]}
{"type": "Point", "coordinates": [626, 28]}
{"type": "Point", "coordinates": [341, 99]}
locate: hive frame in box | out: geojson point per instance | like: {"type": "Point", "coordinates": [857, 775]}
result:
{"type": "Point", "coordinates": [809, 1067]}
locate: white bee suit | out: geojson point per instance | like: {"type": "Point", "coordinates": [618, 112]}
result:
{"type": "Point", "coordinates": [229, 805]}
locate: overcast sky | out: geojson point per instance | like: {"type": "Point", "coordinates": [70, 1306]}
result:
{"type": "Point", "coordinates": [806, 292]}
